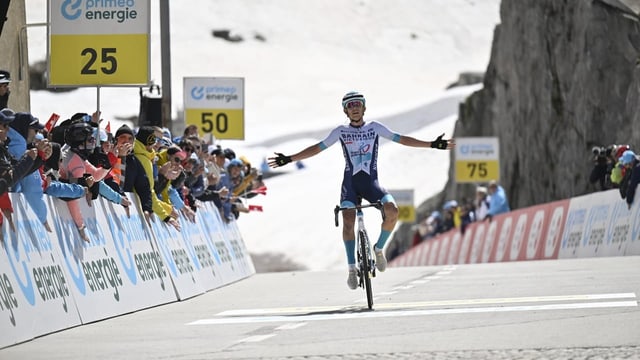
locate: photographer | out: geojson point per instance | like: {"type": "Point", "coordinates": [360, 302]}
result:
{"type": "Point", "coordinates": [603, 164]}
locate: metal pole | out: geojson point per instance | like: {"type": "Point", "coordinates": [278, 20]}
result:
{"type": "Point", "coordinates": [165, 44]}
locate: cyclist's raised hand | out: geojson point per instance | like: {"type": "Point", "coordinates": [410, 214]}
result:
{"type": "Point", "coordinates": [442, 144]}
{"type": "Point", "coordinates": [280, 160]}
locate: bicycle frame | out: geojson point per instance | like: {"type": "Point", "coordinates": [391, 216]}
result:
{"type": "Point", "coordinates": [366, 266]}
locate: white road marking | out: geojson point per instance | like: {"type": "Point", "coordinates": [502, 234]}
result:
{"type": "Point", "coordinates": [291, 326]}
{"type": "Point", "coordinates": [443, 272]}
{"type": "Point", "coordinates": [383, 293]}
{"type": "Point", "coordinates": [256, 338]}
{"type": "Point", "coordinates": [405, 287]}
{"type": "Point", "coordinates": [395, 314]}
{"type": "Point", "coordinates": [432, 303]}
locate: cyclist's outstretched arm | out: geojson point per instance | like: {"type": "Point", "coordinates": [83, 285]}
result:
{"type": "Point", "coordinates": [438, 143]}
{"type": "Point", "coordinates": [281, 159]}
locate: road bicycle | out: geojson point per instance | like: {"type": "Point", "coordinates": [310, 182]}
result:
{"type": "Point", "coordinates": [366, 263]}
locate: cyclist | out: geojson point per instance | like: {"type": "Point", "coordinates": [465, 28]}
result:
{"type": "Point", "coordinates": [359, 140]}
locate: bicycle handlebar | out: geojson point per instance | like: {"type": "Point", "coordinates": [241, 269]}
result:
{"type": "Point", "coordinates": [378, 205]}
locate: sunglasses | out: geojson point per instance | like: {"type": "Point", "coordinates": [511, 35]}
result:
{"type": "Point", "coordinates": [354, 104]}
{"type": "Point", "coordinates": [189, 149]}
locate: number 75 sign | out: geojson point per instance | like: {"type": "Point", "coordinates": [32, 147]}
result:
{"type": "Point", "coordinates": [477, 159]}
{"type": "Point", "coordinates": [94, 42]}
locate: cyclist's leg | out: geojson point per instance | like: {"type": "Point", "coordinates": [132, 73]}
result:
{"type": "Point", "coordinates": [374, 193]}
{"type": "Point", "coordinates": [348, 198]}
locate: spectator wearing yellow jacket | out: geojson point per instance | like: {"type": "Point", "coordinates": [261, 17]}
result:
{"type": "Point", "coordinates": [143, 150]}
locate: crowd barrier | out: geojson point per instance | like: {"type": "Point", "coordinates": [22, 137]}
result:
{"type": "Point", "coordinates": [51, 281]}
{"type": "Point", "coordinates": [593, 225]}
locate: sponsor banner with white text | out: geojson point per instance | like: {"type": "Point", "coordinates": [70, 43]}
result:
{"type": "Point", "coordinates": [106, 281]}
{"type": "Point", "coordinates": [52, 281]}
{"type": "Point", "coordinates": [33, 284]}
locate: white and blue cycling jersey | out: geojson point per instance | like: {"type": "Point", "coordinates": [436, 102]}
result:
{"type": "Point", "coordinates": [360, 149]}
{"type": "Point", "coordinates": [360, 145]}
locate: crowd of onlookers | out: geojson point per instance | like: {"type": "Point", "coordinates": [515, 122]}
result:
{"type": "Point", "coordinates": [489, 201]}
{"type": "Point", "coordinates": [614, 168]}
{"type": "Point", "coordinates": [80, 158]}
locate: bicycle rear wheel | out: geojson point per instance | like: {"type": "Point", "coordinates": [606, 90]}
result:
{"type": "Point", "coordinates": [364, 266]}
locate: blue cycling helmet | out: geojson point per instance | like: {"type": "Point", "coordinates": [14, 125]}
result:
{"type": "Point", "coordinates": [351, 96]}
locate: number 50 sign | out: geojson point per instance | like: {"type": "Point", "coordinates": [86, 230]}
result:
{"type": "Point", "coordinates": [94, 42]}
{"type": "Point", "coordinates": [215, 106]}
{"type": "Point", "coordinates": [477, 159]}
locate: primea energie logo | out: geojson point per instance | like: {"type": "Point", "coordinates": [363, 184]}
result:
{"type": "Point", "coordinates": [118, 10]}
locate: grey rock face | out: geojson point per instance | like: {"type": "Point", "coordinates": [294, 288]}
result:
{"type": "Point", "coordinates": [564, 76]}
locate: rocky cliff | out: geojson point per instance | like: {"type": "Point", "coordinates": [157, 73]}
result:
{"type": "Point", "coordinates": [564, 76]}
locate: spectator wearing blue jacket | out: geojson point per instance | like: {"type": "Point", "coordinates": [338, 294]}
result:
{"type": "Point", "coordinates": [22, 133]}
{"type": "Point", "coordinates": [498, 203]}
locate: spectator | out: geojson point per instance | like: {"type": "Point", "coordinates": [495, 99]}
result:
{"type": "Point", "coordinates": [170, 168]}
{"type": "Point", "coordinates": [143, 145]}
{"type": "Point", "coordinates": [191, 130]}
{"type": "Point", "coordinates": [482, 202]}
{"type": "Point", "coordinates": [22, 134]}
{"type": "Point", "coordinates": [467, 216]}
{"type": "Point", "coordinates": [5, 80]}
{"type": "Point", "coordinates": [618, 171]}
{"type": "Point", "coordinates": [498, 203]}
{"type": "Point", "coordinates": [53, 187]}
{"type": "Point", "coordinates": [230, 181]}
{"type": "Point", "coordinates": [631, 162]}
{"type": "Point", "coordinates": [603, 164]}
{"type": "Point", "coordinates": [75, 169]}
{"type": "Point", "coordinates": [12, 170]}
{"type": "Point", "coordinates": [451, 217]}
{"type": "Point", "coordinates": [129, 172]}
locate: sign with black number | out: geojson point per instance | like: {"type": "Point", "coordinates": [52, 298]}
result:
{"type": "Point", "coordinates": [98, 43]}
{"type": "Point", "coordinates": [404, 200]}
{"type": "Point", "coordinates": [215, 106]}
{"type": "Point", "coordinates": [477, 159]}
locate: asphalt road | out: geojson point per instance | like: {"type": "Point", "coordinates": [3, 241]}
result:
{"type": "Point", "coordinates": [569, 309]}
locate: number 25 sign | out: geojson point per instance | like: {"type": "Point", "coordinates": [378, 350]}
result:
{"type": "Point", "coordinates": [95, 42]}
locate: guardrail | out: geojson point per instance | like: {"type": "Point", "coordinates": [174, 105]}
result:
{"type": "Point", "coordinates": [593, 225]}
{"type": "Point", "coordinates": [53, 281]}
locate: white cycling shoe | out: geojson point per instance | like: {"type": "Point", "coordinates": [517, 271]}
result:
{"type": "Point", "coordinates": [381, 260]}
{"type": "Point", "coordinates": [352, 280]}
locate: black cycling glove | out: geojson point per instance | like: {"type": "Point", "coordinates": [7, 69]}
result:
{"type": "Point", "coordinates": [282, 159]}
{"type": "Point", "coordinates": [438, 143]}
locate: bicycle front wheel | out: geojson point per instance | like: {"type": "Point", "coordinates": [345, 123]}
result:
{"type": "Point", "coordinates": [364, 266]}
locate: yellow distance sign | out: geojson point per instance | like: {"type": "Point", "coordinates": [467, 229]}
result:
{"type": "Point", "coordinates": [477, 170]}
{"type": "Point", "coordinates": [404, 200]}
{"type": "Point", "coordinates": [118, 59]}
{"type": "Point", "coordinates": [407, 213]}
{"type": "Point", "coordinates": [222, 123]}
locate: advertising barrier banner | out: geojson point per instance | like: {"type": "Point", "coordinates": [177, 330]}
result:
{"type": "Point", "coordinates": [51, 281]}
